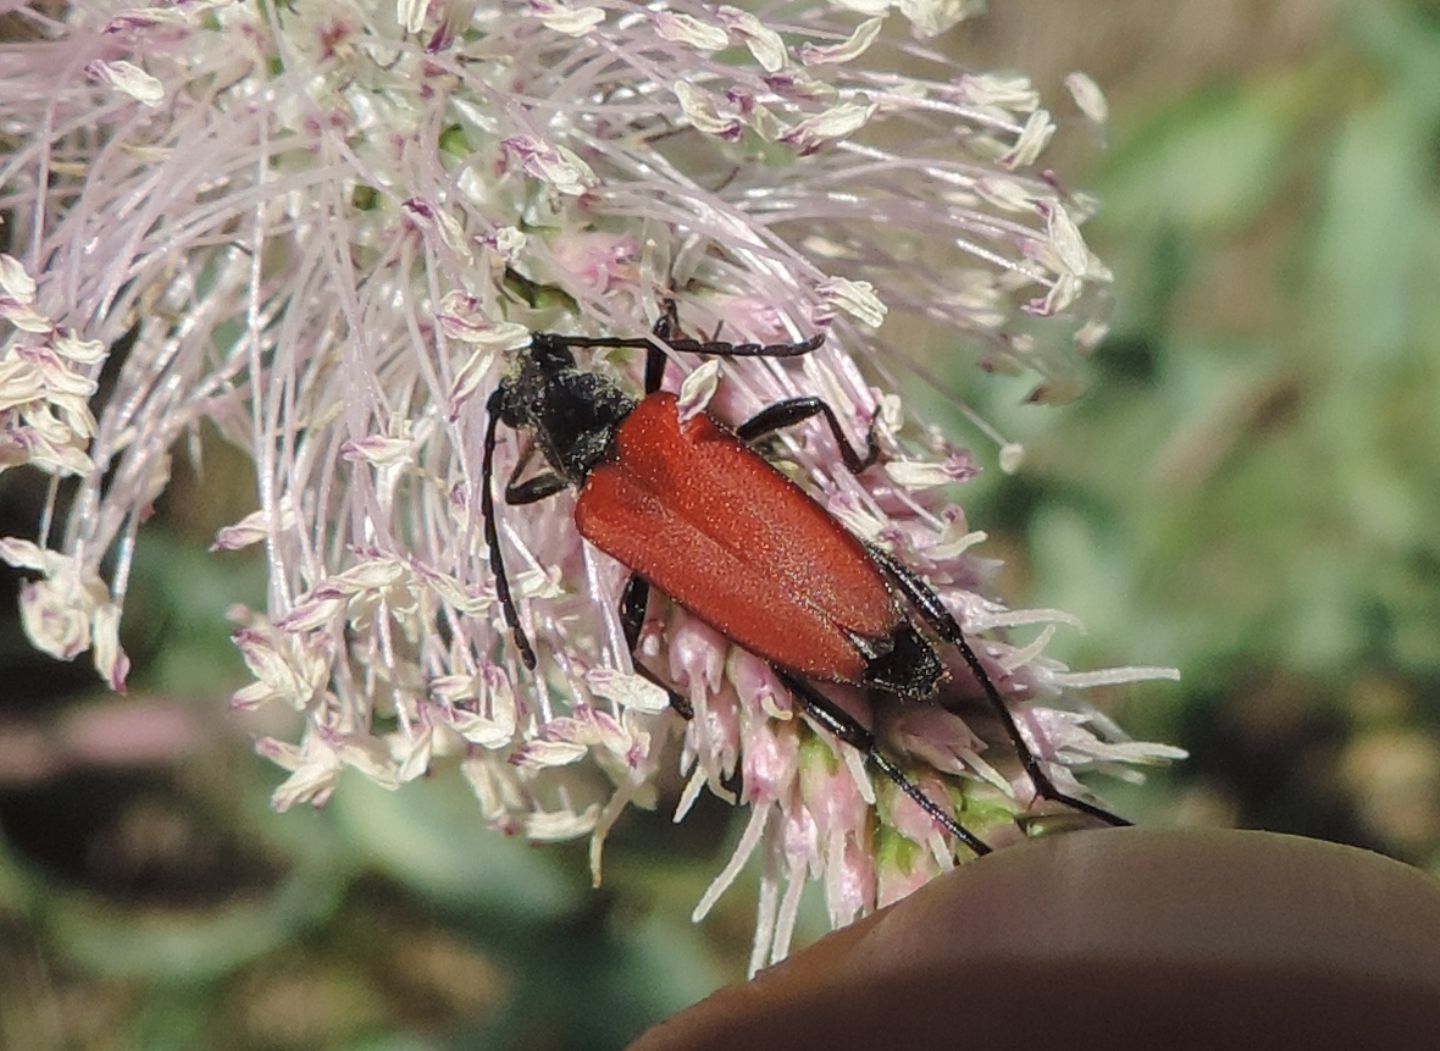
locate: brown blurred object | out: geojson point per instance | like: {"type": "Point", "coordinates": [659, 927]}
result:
{"type": "Point", "coordinates": [1394, 777]}
{"type": "Point", "coordinates": [1118, 938]}
{"type": "Point", "coordinates": [133, 732]}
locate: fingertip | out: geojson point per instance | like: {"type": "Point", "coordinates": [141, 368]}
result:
{"type": "Point", "coordinates": [1123, 937]}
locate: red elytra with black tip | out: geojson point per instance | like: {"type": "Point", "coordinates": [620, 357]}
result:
{"type": "Point", "coordinates": [691, 509]}
{"type": "Point", "coordinates": [783, 579]}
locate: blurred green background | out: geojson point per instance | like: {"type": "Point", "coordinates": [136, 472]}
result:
{"type": "Point", "coordinates": [1248, 492]}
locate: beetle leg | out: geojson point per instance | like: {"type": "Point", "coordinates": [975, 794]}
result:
{"type": "Point", "coordinates": [795, 410]}
{"type": "Point", "coordinates": [681, 704]}
{"type": "Point", "coordinates": [633, 603]}
{"type": "Point", "coordinates": [632, 618]}
{"type": "Point", "coordinates": [547, 483]}
{"type": "Point", "coordinates": [654, 368]}
{"type": "Point", "coordinates": [919, 594]}
{"type": "Point", "coordinates": [668, 323]}
{"type": "Point", "coordinates": [843, 726]}
{"type": "Point", "coordinates": [665, 325]}
{"type": "Point", "coordinates": [533, 489]}
{"type": "Point", "coordinates": [492, 534]}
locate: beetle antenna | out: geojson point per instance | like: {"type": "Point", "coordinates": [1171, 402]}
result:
{"type": "Point", "coordinates": [492, 534]}
{"type": "Point", "coordinates": [940, 619]}
{"type": "Point", "coordinates": [666, 325]}
{"type": "Point", "coordinates": [718, 349]}
{"type": "Point", "coordinates": [655, 359]}
{"type": "Point", "coordinates": [722, 349]}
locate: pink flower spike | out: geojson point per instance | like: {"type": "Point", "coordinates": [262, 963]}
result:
{"type": "Point", "coordinates": [329, 233]}
{"type": "Point", "coordinates": [849, 879]}
{"type": "Point", "coordinates": [901, 871]}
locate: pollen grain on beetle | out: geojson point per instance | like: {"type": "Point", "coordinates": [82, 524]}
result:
{"type": "Point", "coordinates": [325, 230]}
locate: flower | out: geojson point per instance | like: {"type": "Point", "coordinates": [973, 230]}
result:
{"type": "Point", "coordinates": [325, 228]}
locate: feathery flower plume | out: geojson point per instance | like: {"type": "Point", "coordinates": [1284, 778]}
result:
{"type": "Point", "coordinates": [323, 229]}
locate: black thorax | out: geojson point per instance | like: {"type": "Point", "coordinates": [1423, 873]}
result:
{"type": "Point", "coordinates": [573, 414]}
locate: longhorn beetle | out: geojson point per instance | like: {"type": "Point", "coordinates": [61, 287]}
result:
{"type": "Point", "coordinates": [690, 509]}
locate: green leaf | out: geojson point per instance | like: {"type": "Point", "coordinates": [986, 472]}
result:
{"type": "Point", "coordinates": [430, 836]}
{"type": "Point", "coordinates": [1208, 163]}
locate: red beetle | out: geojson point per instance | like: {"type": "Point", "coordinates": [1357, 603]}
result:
{"type": "Point", "coordinates": [691, 509]}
